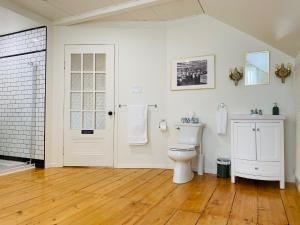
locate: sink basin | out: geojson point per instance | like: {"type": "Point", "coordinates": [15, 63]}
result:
{"type": "Point", "coordinates": [256, 116]}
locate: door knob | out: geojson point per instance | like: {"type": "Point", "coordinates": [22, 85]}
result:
{"type": "Point", "coordinates": [110, 113]}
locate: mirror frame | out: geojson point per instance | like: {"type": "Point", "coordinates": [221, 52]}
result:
{"type": "Point", "coordinates": [263, 51]}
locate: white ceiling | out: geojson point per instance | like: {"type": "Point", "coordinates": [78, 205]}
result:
{"type": "Point", "coordinates": [162, 10]}
{"type": "Point", "coordinates": [57, 9]}
{"type": "Point", "coordinates": [276, 22]}
{"type": "Point", "coordinates": [174, 9]}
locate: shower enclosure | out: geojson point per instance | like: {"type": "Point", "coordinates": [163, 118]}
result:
{"type": "Point", "coordinates": [22, 99]}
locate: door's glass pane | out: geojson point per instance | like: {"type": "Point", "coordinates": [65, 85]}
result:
{"type": "Point", "coordinates": [100, 62]}
{"type": "Point", "coordinates": [100, 120]}
{"type": "Point", "coordinates": [75, 120]}
{"type": "Point", "coordinates": [100, 101]}
{"type": "Point", "coordinates": [88, 121]}
{"type": "Point", "coordinates": [75, 62]}
{"type": "Point", "coordinates": [88, 62]}
{"type": "Point", "coordinates": [100, 82]}
{"type": "Point", "coordinates": [88, 82]}
{"type": "Point", "coordinates": [75, 101]}
{"type": "Point", "coordinates": [75, 82]}
{"type": "Point", "coordinates": [88, 101]}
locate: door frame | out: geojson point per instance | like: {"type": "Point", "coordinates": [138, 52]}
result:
{"type": "Point", "coordinates": [115, 103]}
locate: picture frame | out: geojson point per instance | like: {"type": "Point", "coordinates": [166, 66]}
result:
{"type": "Point", "coordinates": [193, 73]}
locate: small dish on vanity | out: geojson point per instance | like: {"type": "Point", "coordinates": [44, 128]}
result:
{"type": "Point", "coordinates": [257, 147]}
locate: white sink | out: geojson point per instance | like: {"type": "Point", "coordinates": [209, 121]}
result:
{"type": "Point", "coordinates": [256, 117]}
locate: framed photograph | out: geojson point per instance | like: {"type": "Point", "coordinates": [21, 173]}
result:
{"type": "Point", "coordinates": [193, 73]}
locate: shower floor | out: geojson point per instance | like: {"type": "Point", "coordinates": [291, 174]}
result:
{"type": "Point", "coordinates": [8, 166]}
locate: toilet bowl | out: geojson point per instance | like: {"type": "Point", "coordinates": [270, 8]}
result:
{"type": "Point", "coordinates": [182, 156]}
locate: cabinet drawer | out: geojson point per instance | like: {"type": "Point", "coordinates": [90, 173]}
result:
{"type": "Point", "coordinates": [268, 169]}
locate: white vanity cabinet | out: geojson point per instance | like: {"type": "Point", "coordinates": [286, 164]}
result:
{"type": "Point", "coordinates": [257, 147]}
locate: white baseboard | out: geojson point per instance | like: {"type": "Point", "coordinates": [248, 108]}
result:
{"type": "Point", "coordinates": [210, 170]}
{"type": "Point", "coordinates": [54, 165]}
{"type": "Point", "coordinates": [297, 183]}
{"type": "Point", "coordinates": [291, 179]}
{"type": "Point", "coordinates": [123, 165]}
{"type": "Point", "coordinates": [141, 166]}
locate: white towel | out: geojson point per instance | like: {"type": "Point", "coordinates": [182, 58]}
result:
{"type": "Point", "coordinates": [137, 124]}
{"type": "Point", "coordinates": [221, 121]}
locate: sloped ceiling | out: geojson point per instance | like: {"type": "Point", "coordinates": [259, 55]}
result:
{"type": "Point", "coordinates": [276, 22]}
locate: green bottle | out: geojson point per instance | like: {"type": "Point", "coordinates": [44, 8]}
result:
{"type": "Point", "coordinates": [275, 109]}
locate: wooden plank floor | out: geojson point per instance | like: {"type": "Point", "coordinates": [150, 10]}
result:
{"type": "Point", "coordinates": [90, 196]}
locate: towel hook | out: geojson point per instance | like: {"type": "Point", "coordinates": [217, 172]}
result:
{"type": "Point", "coordinates": [222, 106]}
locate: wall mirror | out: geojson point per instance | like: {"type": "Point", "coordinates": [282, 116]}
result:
{"type": "Point", "coordinates": [257, 68]}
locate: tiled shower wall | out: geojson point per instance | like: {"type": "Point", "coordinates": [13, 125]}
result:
{"type": "Point", "coordinates": [22, 93]}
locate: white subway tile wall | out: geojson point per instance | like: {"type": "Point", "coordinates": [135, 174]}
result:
{"type": "Point", "coordinates": [22, 94]}
{"type": "Point", "coordinates": [27, 41]}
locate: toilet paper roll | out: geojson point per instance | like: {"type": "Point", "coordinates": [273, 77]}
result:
{"type": "Point", "coordinates": [163, 125]}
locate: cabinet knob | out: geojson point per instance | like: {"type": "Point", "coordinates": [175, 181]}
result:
{"type": "Point", "coordinates": [256, 168]}
{"type": "Point", "coordinates": [257, 129]}
{"type": "Point", "coordinates": [253, 129]}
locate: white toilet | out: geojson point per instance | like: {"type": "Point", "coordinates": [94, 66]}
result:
{"type": "Point", "coordinates": [190, 137]}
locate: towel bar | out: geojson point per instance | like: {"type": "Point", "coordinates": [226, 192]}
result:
{"type": "Point", "coordinates": [155, 105]}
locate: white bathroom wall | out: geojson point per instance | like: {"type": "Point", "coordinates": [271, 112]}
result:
{"type": "Point", "coordinates": [204, 35]}
{"type": "Point", "coordinates": [143, 58]}
{"type": "Point", "coordinates": [140, 61]}
{"type": "Point", "coordinates": [12, 22]}
{"type": "Point", "coordinates": [297, 100]}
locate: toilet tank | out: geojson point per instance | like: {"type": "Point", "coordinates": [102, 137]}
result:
{"type": "Point", "coordinates": [190, 133]}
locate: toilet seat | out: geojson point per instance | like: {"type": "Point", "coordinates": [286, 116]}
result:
{"type": "Point", "coordinates": [183, 147]}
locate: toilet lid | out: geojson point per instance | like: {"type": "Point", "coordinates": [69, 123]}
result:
{"type": "Point", "coordinates": [183, 147]}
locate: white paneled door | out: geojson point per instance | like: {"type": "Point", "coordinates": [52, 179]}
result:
{"type": "Point", "coordinates": [89, 105]}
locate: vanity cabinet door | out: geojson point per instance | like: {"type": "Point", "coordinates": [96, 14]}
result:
{"type": "Point", "coordinates": [244, 140]}
{"type": "Point", "coordinates": [268, 141]}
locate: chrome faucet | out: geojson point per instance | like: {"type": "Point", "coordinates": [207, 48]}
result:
{"type": "Point", "coordinates": [256, 111]}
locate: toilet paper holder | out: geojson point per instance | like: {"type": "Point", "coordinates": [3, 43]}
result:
{"type": "Point", "coordinates": [162, 125]}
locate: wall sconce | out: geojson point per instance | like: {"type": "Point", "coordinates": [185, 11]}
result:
{"type": "Point", "coordinates": [236, 75]}
{"type": "Point", "coordinates": [283, 72]}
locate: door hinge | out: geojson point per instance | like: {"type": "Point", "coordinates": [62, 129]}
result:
{"type": "Point", "coordinates": [64, 65]}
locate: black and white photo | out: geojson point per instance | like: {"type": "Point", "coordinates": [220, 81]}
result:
{"type": "Point", "coordinates": [193, 73]}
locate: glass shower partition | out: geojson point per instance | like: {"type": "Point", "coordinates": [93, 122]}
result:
{"type": "Point", "coordinates": [22, 98]}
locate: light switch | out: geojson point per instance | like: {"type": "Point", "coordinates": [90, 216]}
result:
{"type": "Point", "coordinates": [136, 89]}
